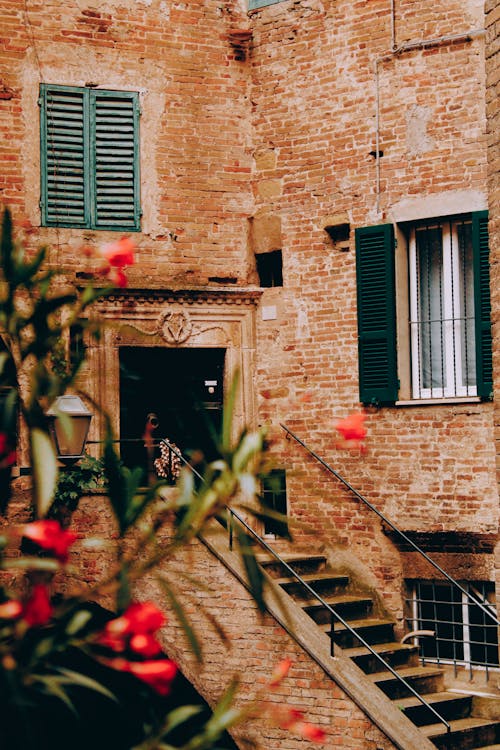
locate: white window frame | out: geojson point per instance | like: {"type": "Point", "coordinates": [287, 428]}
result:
{"type": "Point", "coordinates": [455, 384]}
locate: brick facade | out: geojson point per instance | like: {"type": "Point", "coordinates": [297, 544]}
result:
{"type": "Point", "coordinates": [326, 113]}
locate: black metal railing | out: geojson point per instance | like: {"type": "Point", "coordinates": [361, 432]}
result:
{"type": "Point", "coordinates": [475, 599]}
{"type": "Point", "coordinates": [334, 615]}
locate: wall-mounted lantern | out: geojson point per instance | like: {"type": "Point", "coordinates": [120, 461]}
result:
{"type": "Point", "coordinates": [69, 422]}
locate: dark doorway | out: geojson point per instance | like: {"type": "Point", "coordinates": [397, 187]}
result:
{"type": "Point", "coordinates": [182, 387]}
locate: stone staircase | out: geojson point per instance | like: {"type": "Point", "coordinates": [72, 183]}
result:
{"type": "Point", "coordinates": [474, 721]}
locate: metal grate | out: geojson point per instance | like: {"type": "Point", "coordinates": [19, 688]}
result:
{"type": "Point", "coordinates": [464, 634]}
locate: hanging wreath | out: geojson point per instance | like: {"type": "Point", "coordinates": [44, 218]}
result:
{"type": "Point", "coordinates": [168, 465]}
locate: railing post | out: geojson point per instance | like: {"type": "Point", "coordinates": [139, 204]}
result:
{"type": "Point", "coordinates": [332, 633]}
{"type": "Point", "coordinates": [230, 527]}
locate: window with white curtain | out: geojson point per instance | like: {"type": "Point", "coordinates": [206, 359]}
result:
{"type": "Point", "coordinates": [442, 325]}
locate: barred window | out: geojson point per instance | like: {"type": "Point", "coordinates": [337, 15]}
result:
{"type": "Point", "coordinates": [465, 634]}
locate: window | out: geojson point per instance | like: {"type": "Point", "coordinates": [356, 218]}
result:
{"type": "Point", "coordinates": [442, 310]}
{"type": "Point", "coordinates": [436, 333]}
{"type": "Point", "coordinates": [274, 499]}
{"type": "Point", "coordinates": [89, 158]}
{"type": "Point", "coordinates": [465, 634]}
{"type": "Point", "coordinates": [270, 268]}
{"type": "Point", "coordinates": [253, 4]}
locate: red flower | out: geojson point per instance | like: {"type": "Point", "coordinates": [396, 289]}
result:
{"type": "Point", "coordinates": [158, 673]}
{"type": "Point", "coordinates": [49, 535]}
{"type": "Point", "coordinates": [117, 277]}
{"type": "Point", "coordinates": [134, 629]}
{"type": "Point", "coordinates": [280, 671]}
{"type": "Point", "coordinates": [353, 432]}
{"type": "Point", "coordinates": [352, 428]}
{"type": "Point", "coordinates": [11, 610]}
{"type": "Point", "coordinates": [37, 610]}
{"type": "Point", "coordinates": [145, 644]}
{"type": "Point", "coordinates": [292, 718]}
{"type": "Point", "coordinates": [141, 617]}
{"type": "Point", "coordinates": [119, 254]}
{"type": "Point", "coordinates": [310, 732]}
{"type": "Point", "coordinates": [7, 455]}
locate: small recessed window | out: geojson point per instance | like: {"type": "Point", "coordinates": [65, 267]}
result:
{"type": "Point", "coordinates": [253, 4]}
{"type": "Point", "coordinates": [274, 499]}
{"type": "Point", "coordinates": [270, 268]}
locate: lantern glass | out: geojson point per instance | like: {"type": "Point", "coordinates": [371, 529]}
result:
{"type": "Point", "coordinates": [70, 431]}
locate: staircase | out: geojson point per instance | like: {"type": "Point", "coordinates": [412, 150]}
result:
{"type": "Point", "coordinates": [474, 723]}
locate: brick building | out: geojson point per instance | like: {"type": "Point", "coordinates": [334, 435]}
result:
{"type": "Point", "coordinates": [307, 183]}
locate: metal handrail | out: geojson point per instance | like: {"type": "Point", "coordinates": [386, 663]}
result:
{"type": "Point", "coordinates": [482, 604]}
{"type": "Point", "coordinates": [333, 614]}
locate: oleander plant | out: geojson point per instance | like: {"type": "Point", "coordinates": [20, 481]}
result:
{"type": "Point", "coordinates": [73, 673]}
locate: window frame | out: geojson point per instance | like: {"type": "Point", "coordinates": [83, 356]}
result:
{"type": "Point", "coordinates": [463, 647]}
{"type": "Point", "coordinates": [382, 271]}
{"type": "Point", "coordinates": [256, 4]}
{"type": "Point", "coordinates": [452, 354]}
{"type": "Point", "coordinates": [83, 143]}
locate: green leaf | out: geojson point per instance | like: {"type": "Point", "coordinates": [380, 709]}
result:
{"type": "Point", "coordinates": [254, 573]}
{"type": "Point", "coordinates": [180, 716]}
{"type": "Point", "coordinates": [70, 677]}
{"type": "Point", "coordinates": [53, 686]}
{"type": "Point", "coordinates": [227, 415]}
{"type": "Point", "coordinates": [117, 485]}
{"type": "Point", "coordinates": [78, 622]}
{"type": "Point", "coordinates": [30, 563]}
{"type": "Point", "coordinates": [44, 464]}
{"type": "Point", "coordinates": [250, 445]}
{"type": "Point", "coordinates": [181, 616]}
{"type": "Point", "coordinates": [124, 593]}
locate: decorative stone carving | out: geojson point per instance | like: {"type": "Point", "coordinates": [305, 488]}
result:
{"type": "Point", "coordinates": [176, 326]}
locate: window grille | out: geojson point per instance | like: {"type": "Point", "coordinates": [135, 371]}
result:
{"type": "Point", "coordinates": [464, 634]}
{"type": "Point", "coordinates": [442, 324]}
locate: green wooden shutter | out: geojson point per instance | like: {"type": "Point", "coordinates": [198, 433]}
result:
{"type": "Point", "coordinates": [376, 314]}
{"type": "Point", "coordinates": [64, 158]}
{"type": "Point", "coordinates": [115, 162]}
{"type": "Point", "coordinates": [484, 364]}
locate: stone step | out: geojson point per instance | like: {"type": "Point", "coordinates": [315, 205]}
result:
{"type": "Point", "coordinates": [395, 653]}
{"type": "Point", "coordinates": [323, 583]}
{"type": "Point", "coordinates": [422, 679]}
{"type": "Point", "coordinates": [465, 734]}
{"type": "Point", "coordinates": [372, 629]}
{"type": "Point", "coordinates": [347, 605]}
{"type": "Point", "coordinates": [300, 563]}
{"type": "Point", "coordinates": [448, 705]}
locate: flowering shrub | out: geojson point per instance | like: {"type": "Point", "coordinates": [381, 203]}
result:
{"type": "Point", "coordinates": [67, 665]}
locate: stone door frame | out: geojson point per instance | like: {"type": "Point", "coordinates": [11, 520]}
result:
{"type": "Point", "coordinates": [174, 319]}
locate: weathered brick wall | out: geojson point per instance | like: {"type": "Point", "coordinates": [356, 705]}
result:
{"type": "Point", "coordinates": [315, 70]}
{"type": "Point", "coordinates": [195, 132]}
{"type": "Point", "coordinates": [287, 137]}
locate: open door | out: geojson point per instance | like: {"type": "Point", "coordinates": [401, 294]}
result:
{"type": "Point", "coordinates": [182, 388]}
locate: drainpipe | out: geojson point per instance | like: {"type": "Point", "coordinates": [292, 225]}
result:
{"type": "Point", "coordinates": [465, 36]}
